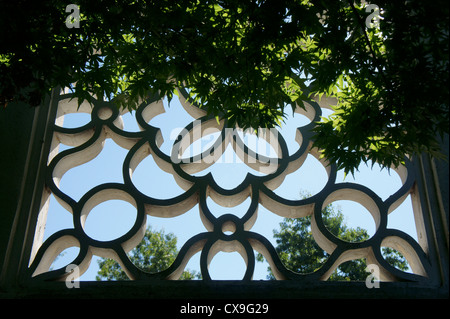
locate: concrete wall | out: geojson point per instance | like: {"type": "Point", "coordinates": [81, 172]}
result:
{"type": "Point", "coordinates": [16, 123]}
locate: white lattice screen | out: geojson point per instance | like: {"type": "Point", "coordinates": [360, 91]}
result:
{"type": "Point", "coordinates": [225, 191]}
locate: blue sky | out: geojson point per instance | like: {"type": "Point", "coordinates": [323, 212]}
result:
{"type": "Point", "coordinates": [113, 218]}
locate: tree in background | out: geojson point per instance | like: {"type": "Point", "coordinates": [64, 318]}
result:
{"type": "Point", "coordinates": [248, 62]}
{"type": "Point", "coordinates": [296, 248]}
{"type": "Point", "coordinates": [300, 253]}
{"type": "Point", "coordinates": [155, 253]}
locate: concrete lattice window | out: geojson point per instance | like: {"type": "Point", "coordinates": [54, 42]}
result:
{"type": "Point", "coordinates": [221, 190]}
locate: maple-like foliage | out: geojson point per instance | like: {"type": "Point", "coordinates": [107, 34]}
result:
{"type": "Point", "coordinates": [248, 62]}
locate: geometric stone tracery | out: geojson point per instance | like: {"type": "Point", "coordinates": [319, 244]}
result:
{"type": "Point", "coordinates": [87, 142]}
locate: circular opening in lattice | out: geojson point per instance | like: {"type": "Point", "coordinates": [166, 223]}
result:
{"type": "Point", "coordinates": [349, 221]}
{"type": "Point", "coordinates": [105, 113]}
{"type": "Point", "coordinates": [110, 220]}
{"type": "Point", "coordinates": [227, 266]}
{"type": "Point", "coordinates": [228, 228]}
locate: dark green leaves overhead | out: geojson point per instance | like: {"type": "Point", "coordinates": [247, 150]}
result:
{"type": "Point", "coordinates": [248, 62]}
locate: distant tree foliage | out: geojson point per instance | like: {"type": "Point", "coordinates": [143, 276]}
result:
{"type": "Point", "coordinates": [300, 253]}
{"type": "Point", "coordinates": [248, 62]}
{"type": "Point", "coordinates": [155, 253]}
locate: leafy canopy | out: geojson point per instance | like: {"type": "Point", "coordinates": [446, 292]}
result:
{"type": "Point", "coordinates": [248, 62]}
